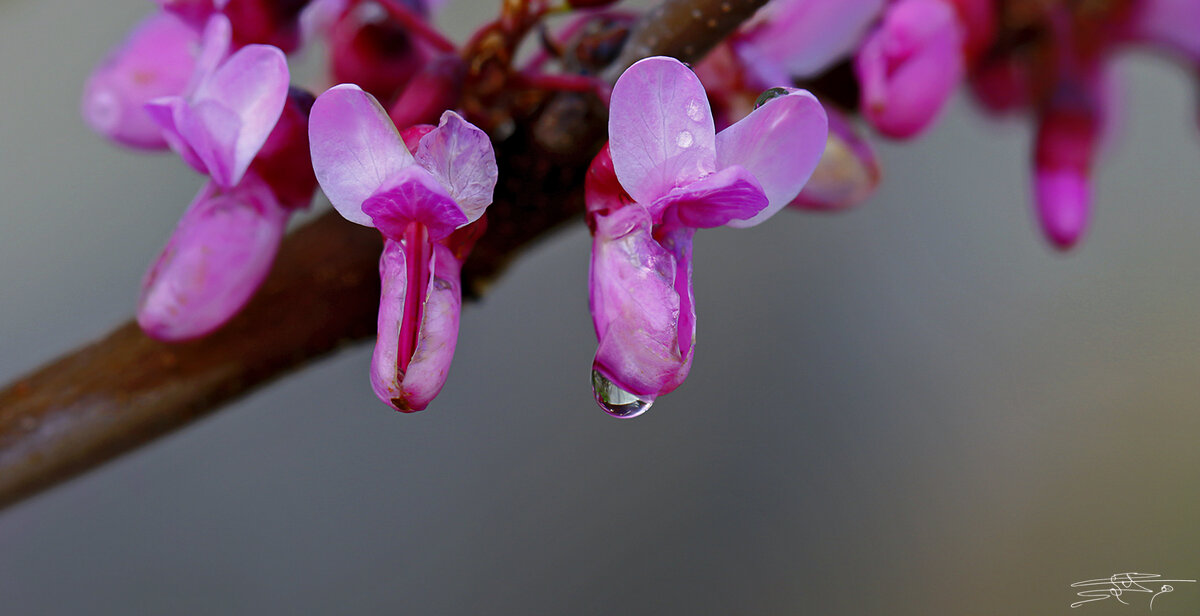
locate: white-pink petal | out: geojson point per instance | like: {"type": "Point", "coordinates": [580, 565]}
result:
{"type": "Point", "coordinates": [779, 143]}
{"type": "Point", "coordinates": [660, 128]}
{"type": "Point", "coordinates": [355, 148]}
{"type": "Point", "coordinates": [461, 157]}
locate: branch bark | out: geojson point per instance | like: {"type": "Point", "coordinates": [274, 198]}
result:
{"type": "Point", "coordinates": [127, 389]}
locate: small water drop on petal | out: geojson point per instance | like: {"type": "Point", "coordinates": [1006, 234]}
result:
{"type": "Point", "coordinates": [616, 401]}
{"type": "Point", "coordinates": [684, 139]}
{"type": "Point", "coordinates": [694, 110]}
{"type": "Point", "coordinates": [768, 95]}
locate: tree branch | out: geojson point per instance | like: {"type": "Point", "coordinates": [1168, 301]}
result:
{"type": "Point", "coordinates": [127, 389]}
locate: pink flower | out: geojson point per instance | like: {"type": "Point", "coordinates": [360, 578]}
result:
{"type": "Point", "coordinates": [801, 38]}
{"type": "Point", "coordinates": [157, 59]}
{"type": "Point", "coordinates": [221, 123]}
{"type": "Point", "coordinates": [909, 65]}
{"type": "Point", "coordinates": [847, 174]}
{"type": "Point", "coordinates": [417, 200]}
{"type": "Point", "coordinates": [670, 174]}
{"type": "Point", "coordinates": [220, 252]}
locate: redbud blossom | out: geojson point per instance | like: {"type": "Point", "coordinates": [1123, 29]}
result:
{"type": "Point", "coordinates": [417, 199]}
{"type": "Point", "coordinates": [801, 38]}
{"type": "Point", "coordinates": [677, 174]}
{"type": "Point", "coordinates": [909, 65]}
{"type": "Point", "coordinates": [155, 60]}
{"type": "Point", "coordinates": [848, 172]}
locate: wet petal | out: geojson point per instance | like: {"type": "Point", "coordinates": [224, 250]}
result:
{"type": "Point", "coordinates": [461, 157]}
{"type": "Point", "coordinates": [779, 143]}
{"type": "Point", "coordinates": [218, 255]}
{"type": "Point", "coordinates": [730, 194]}
{"type": "Point", "coordinates": [355, 148]}
{"type": "Point", "coordinates": [640, 299]}
{"type": "Point", "coordinates": [660, 128]}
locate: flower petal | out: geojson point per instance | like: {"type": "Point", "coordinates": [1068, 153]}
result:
{"type": "Point", "coordinates": [437, 338]}
{"type": "Point", "coordinates": [355, 148]}
{"type": "Point", "coordinates": [413, 195]}
{"type": "Point", "coordinates": [729, 194]}
{"type": "Point", "coordinates": [218, 255]}
{"type": "Point", "coordinates": [660, 128]}
{"type": "Point", "coordinates": [805, 36]}
{"type": "Point", "coordinates": [641, 304]}
{"type": "Point", "coordinates": [253, 85]}
{"type": "Point", "coordinates": [780, 143]}
{"type": "Point", "coordinates": [461, 157]}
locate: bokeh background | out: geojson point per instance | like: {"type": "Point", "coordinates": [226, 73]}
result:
{"type": "Point", "coordinates": [912, 408]}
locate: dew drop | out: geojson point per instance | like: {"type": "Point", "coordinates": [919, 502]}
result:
{"type": "Point", "coordinates": [694, 110]}
{"type": "Point", "coordinates": [684, 139]}
{"type": "Point", "coordinates": [768, 95]}
{"type": "Point", "coordinates": [616, 401]}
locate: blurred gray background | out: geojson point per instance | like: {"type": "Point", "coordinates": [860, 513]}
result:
{"type": "Point", "coordinates": [912, 408]}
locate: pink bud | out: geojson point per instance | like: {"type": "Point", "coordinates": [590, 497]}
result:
{"type": "Point", "coordinates": [372, 51]}
{"type": "Point", "coordinates": [847, 174]}
{"type": "Point", "coordinates": [909, 65]}
{"type": "Point", "coordinates": [219, 253]}
{"type": "Point", "coordinates": [434, 89]}
{"type": "Point", "coordinates": [1062, 166]}
{"type": "Point", "coordinates": [157, 59]}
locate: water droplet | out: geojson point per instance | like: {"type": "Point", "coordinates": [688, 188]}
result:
{"type": "Point", "coordinates": [616, 401]}
{"type": "Point", "coordinates": [768, 95]}
{"type": "Point", "coordinates": [684, 140]}
{"type": "Point", "coordinates": [694, 110]}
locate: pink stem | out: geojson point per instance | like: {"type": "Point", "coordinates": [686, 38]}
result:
{"type": "Point", "coordinates": [417, 25]}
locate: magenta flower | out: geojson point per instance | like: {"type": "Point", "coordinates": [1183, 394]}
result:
{"type": "Point", "coordinates": [417, 200]}
{"type": "Point", "coordinates": [909, 65]}
{"type": "Point", "coordinates": [800, 38]}
{"type": "Point", "coordinates": [225, 118]}
{"type": "Point", "coordinates": [156, 59]}
{"type": "Point", "coordinates": [674, 174]}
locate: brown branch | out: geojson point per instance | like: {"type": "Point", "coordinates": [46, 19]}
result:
{"type": "Point", "coordinates": [126, 389]}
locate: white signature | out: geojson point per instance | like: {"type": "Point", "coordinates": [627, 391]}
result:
{"type": "Point", "coordinates": [1118, 584]}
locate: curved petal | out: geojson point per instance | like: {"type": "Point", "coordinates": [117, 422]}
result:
{"type": "Point", "coordinates": [154, 61]}
{"type": "Point", "coordinates": [414, 195]}
{"type": "Point", "coordinates": [218, 255]}
{"type": "Point", "coordinates": [355, 148]}
{"type": "Point", "coordinates": [806, 36]}
{"type": "Point", "coordinates": [660, 128]}
{"type": "Point", "coordinates": [253, 85]}
{"type": "Point", "coordinates": [847, 174]}
{"type": "Point", "coordinates": [729, 194]}
{"type": "Point", "coordinates": [780, 143]}
{"type": "Point", "coordinates": [461, 157]}
{"type": "Point", "coordinates": [640, 299]}
{"type": "Point", "coordinates": [413, 389]}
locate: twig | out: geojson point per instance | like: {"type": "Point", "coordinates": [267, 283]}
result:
{"type": "Point", "coordinates": [126, 389]}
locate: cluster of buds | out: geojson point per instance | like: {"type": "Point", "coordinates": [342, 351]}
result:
{"type": "Point", "coordinates": [769, 118]}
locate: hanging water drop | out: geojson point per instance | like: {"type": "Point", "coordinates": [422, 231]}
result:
{"type": "Point", "coordinates": [768, 95]}
{"type": "Point", "coordinates": [616, 401]}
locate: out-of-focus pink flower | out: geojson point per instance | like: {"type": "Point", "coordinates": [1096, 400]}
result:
{"type": "Point", "coordinates": [265, 22]}
{"type": "Point", "coordinates": [1174, 24]}
{"type": "Point", "coordinates": [674, 174]}
{"type": "Point", "coordinates": [219, 253]}
{"type": "Point", "coordinates": [221, 124]}
{"type": "Point", "coordinates": [800, 38]}
{"type": "Point", "coordinates": [436, 87]}
{"type": "Point", "coordinates": [156, 59]}
{"type": "Point", "coordinates": [417, 200]}
{"type": "Point", "coordinates": [847, 174]}
{"type": "Point", "coordinates": [909, 65]}
{"type": "Point", "coordinates": [369, 49]}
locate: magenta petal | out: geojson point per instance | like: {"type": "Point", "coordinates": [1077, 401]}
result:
{"type": "Point", "coordinates": [355, 148]}
{"type": "Point", "coordinates": [437, 337]}
{"type": "Point", "coordinates": [730, 194]}
{"type": "Point", "coordinates": [252, 84]}
{"type": "Point", "coordinates": [460, 156]}
{"type": "Point", "coordinates": [413, 195]}
{"type": "Point", "coordinates": [908, 67]}
{"type": "Point", "coordinates": [155, 60]}
{"type": "Point", "coordinates": [640, 299]}
{"type": "Point", "coordinates": [220, 252]}
{"type": "Point", "coordinates": [171, 113]}
{"type": "Point", "coordinates": [806, 36]}
{"type": "Point", "coordinates": [1174, 23]}
{"type": "Point", "coordinates": [1063, 200]}
{"type": "Point", "coordinates": [780, 143]}
{"type": "Point", "coordinates": [660, 128]}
